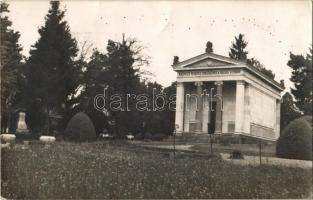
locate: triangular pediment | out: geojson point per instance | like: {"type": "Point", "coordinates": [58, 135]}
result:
{"type": "Point", "coordinates": [211, 63]}
{"type": "Point", "coordinates": [206, 60]}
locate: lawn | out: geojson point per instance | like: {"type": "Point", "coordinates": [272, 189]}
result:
{"type": "Point", "coordinates": [106, 170]}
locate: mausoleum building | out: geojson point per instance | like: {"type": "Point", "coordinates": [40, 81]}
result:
{"type": "Point", "coordinates": [220, 95]}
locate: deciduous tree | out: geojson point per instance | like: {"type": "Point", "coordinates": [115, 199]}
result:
{"type": "Point", "coordinates": [125, 59]}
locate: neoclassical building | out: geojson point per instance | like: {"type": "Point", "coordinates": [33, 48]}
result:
{"type": "Point", "coordinates": [221, 95]}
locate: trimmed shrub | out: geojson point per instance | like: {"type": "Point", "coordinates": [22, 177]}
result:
{"type": "Point", "coordinates": [80, 128]}
{"type": "Point", "coordinates": [307, 118]}
{"type": "Point", "coordinates": [295, 142]}
{"type": "Point", "coordinates": [159, 137]}
{"type": "Point", "coordinates": [147, 136]}
{"type": "Point", "coordinates": [156, 137]}
{"type": "Point", "coordinates": [236, 154]}
{"type": "Point", "coordinates": [139, 136]}
{"type": "Point", "coordinates": [224, 141]}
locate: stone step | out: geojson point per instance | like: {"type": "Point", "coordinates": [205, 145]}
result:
{"type": "Point", "coordinates": [190, 137]}
{"type": "Point", "coordinates": [217, 138]}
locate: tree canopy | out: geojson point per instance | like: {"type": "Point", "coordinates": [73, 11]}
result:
{"type": "Point", "coordinates": [119, 69]}
{"type": "Point", "coordinates": [288, 111]}
{"type": "Point", "coordinates": [238, 52]}
{"type": "Point", "coordinates": [55, 80]}
{"type": "Point", "coordinates": [237, 49]}
{"type": "Point", "coordinates": [301, 76]}
{"type": "Point", "coordinates": [52, 72]}
{"type": "Point", "coordinates": [11, 63]}
{"type": "Point", "coordinates": [259, 66]}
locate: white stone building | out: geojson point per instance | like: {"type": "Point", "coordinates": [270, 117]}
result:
{"type": "Point", "coordinates": [225, 96]}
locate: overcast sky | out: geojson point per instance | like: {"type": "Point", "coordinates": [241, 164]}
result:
{"type": "Point", "coordinates": [182, 28]}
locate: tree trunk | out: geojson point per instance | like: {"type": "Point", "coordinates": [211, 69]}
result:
{"type": "Point", "coordinates": [48, 122]}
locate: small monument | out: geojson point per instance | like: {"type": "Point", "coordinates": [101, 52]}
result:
{"type": "Point", "coordinates": [21, 124]}
{"type": "Point", "coordinates": [47, 140]}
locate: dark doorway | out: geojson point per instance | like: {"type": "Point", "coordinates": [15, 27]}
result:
{"type": "Point", "coordinates": [212, 110]}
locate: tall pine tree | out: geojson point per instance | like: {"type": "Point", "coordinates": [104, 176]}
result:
{"type": "Point", "coordinates": [237, 49]}
{"type": "Point", "coordinates": [238, 52]}
{"type": "Point", "coordinates": [10, 66]}
{"type": "Point", "coordinates": [51, 69]}
{"type": "Point", "coordinates": [302, 77]}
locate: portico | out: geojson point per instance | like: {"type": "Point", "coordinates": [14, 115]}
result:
{"type": "Point", "coordinates": [225, 96]}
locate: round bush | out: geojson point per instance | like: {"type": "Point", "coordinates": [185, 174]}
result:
{"type": "Point", "coordinates": [139, 136]}
{"type": "Point", "coordinates": [155, 137]}
{"type": "Point", "coordinates": [158, 137]}
{"type": "Point", "coordinates": [307, 118]}
{"type": "Point", "coordinates": [296, 141]}
{"type": "Point", "coordinates": [236, 154]}
{"type": "Point", "coordinates": [80, 128]}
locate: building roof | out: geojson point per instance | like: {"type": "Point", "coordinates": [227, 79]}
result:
{"type": "Point", "coordinates": [215, 61]}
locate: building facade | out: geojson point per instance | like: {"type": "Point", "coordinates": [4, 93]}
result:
{"type": "Point", "coordinates": [216, 94]}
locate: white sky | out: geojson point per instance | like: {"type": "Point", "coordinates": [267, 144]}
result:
{"type": "Point", "coordinates": [182, 28]}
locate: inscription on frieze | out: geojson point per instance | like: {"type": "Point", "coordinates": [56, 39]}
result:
{"type": "Point", "coordinates": [209, 72]}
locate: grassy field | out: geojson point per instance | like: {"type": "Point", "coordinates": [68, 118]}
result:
{"type": "Point", "coordinates": [104, 170]}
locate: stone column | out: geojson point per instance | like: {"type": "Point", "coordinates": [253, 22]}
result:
{"type": "Point", "coordinates": [187, 111]}
{"type": "Point", "coordinates": [179, 115]}
{"type": "Point", "coordinates": [247, 111]}
{"type": "Point", "coordinates": [219, 107]}
{"type": "Point", "coordinates": [240, 99]}
{"type": "Point", "coordinates": [199, 107]}
{"type": "Point", "coordinates": [278, 102]}
{"type": "Point", "coordinates": [205, 114]}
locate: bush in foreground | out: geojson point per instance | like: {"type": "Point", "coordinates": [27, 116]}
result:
{"type": "Point", "coordinates": [80, 128]}
{"type": "Point", "coordinates": [295, 142]}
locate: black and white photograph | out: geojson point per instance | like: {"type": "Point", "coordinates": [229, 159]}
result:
{"type": "Point", "coordinates": [156, 99]}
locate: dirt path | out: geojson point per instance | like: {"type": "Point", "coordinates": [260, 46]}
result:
{"type": "Point", "coordinates": [255, 160]}
{"type": "Point", "coordinates": [248, 159]}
